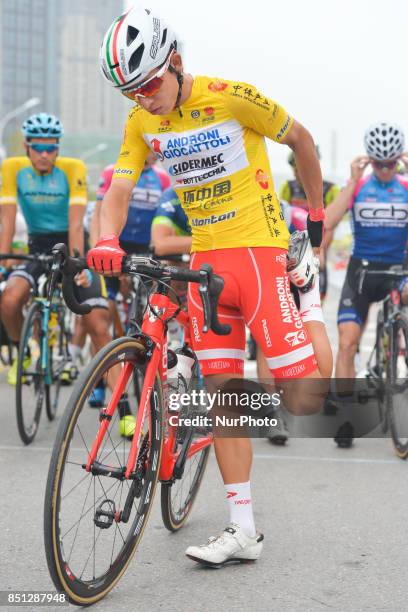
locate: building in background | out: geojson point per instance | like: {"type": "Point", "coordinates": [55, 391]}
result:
{"type": "Point", "coordinates": [29, 55]}
{"type": "Point", "coordinates": [50, 49]}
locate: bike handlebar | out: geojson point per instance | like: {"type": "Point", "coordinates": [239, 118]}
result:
{"type": "Point", "coordinates": [363, 271]}
{"type": "Point", "coordinates": [210, 284]}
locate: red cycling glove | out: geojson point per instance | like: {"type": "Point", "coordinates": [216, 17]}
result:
{"type": "Point", "coordinates": [106, 256]}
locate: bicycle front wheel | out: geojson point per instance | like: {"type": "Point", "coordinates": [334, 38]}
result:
{"type": "Point", "coordinates": [94, 520]}
{"type": "Point", "coordinates": [397, 387]}
{"type": "Point", "coordinates": [58, 357]}
{"type": "Point", "coordinates": [30, 383]}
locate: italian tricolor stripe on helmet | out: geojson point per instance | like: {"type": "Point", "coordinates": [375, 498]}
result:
{"type": "Point", "coordinates": [113, 66]}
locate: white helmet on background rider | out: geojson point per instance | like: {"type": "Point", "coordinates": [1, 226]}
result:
{"type": "Point", "coordinates": [136, 43]}
{"type": "Point", "coordinates": [384, 141]}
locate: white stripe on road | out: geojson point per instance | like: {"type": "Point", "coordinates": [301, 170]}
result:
{"type": "Point", "coordinates": [328, 459]}
{"type": "Point", "coordinates": [275, 457]}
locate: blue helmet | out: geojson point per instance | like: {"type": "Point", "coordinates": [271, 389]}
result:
{"type": "Point", "coordinates": [42, 125]}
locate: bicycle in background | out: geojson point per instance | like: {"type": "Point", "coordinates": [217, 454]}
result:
{"type": "Point", "coordinates": [43, 351]}
{"type": "Point", "coordinates": [387, 367]}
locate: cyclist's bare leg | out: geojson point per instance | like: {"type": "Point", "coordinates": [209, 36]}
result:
{"type": "Point", "coordinates": [97, 324]}
{"type": "Point", "coordinates": [234, 455]}
{"type": "Point", "coordinates": [14, 297]}
{"type": "Point", "coordinates": [349, 339]}
{"type": "Point", "coordinates": [80, 333]}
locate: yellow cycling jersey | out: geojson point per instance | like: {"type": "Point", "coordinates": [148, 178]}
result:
{"type": "Point", "coordinates": [44, 199]}
{"type": "Point", "coordinates": [216, 156]}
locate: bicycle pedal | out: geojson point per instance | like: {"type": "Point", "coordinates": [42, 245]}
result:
{"type": "Point", "coordinates": [104, 518]}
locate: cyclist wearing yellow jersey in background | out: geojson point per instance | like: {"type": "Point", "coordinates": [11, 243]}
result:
{"type": "Point", "coordinates": [51, 192]}
{"type": "Point", "coordinates": [292, 191]}
{"type": "Point", "coordinates": [209, 134]}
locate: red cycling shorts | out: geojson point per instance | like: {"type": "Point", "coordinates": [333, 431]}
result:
{"type": "Point", "coordinates": [256, 294]}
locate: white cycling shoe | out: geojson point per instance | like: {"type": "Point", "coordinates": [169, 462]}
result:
{"type": "Point", "coordinates": [233, 545]}
{"type": "Point", "coordinates": [303, 266]}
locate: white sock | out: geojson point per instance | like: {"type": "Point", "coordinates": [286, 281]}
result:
{"type": "Point", "coordinates": [74, 351]}
{"type": "Point", "coordinates": [240, 506]}
{"type": "Point", "coordinates": [310, 305]}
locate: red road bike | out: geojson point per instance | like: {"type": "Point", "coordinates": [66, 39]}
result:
{"type": "Point", "coordinates": [100, 486]}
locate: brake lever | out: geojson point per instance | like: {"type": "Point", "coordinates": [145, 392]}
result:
{"type": "Point", "coordinates": [205, 299]}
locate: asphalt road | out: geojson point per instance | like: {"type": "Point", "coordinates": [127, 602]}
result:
{"type": "Point", "coordinates": [333, 520]}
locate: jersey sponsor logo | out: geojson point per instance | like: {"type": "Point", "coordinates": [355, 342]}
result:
{"type": "Point", "coordinates": [196, 329]}
{"type": "Point", "coordinates": [214, 219]}
{"type": "Point", "coordinates": [231, 494]}
{"type": "Point", "coordinates": [186, 155]}
{"type": "Point", "coordinates": [293, 371]}
{"type": "Point", "coordinates": [283, 129]}
{"type": "Point", "coordinates": [224, 365]}
{"type": "Point", "coordinates": [206, 193]}
{"type": "Point", "coordinates": [289, 312]}
{"type": "Point", "coordinates": [195, 114]}
{"type": "Point", "coordinates": [202, 177]}
{"type": "Point", "coordinates": [295, 338]}
{"type": "Point", "coordinates": [191, 165]}
{"type": "Point", "coordinates": [381, 213]}
{"type": "Point", "coordinates": [209, 111]}
{"type": "Point", "coordinates": [123, 171]}
{"type": "Point", "coordinates": [144, 198]}
{"type": "Point", "coordinates": [262, 179]}
{"type": "Point", "coordinates": [242, 502]}
{"type": "Point", "coordinates": [266, 333]}
{"type": "Point", "coordinates": [281, 259]}
{"type": "Point", "coordinates": [156, 37]}
{"type": "Point", "coordinates": [215, 86]}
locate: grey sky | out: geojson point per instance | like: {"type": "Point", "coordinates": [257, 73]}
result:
{"type": "Point", "coordinates": [335, 64]}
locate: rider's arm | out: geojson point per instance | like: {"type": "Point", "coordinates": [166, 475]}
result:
{"type": "Point", "coordinates": [338, 208]}
{"type": "Point", "coordinates": [307, 163]}
{"type": "Point", "coordinates": [133, 153]}
{"type": "Point", "coordinates": [265, 116]}
{"type": "Point", "coordinates": [166, 242]}
{"type": "Point", "coordinates": [114, 207]}
{"type": "Point", "coordinates": [8, 201]}
{"type": "Point", "coordinates": [76, 228]}
{"type": "Point", "coordinates": [8, 226]}
{"type": "Point", "coordinates": [76, 174]}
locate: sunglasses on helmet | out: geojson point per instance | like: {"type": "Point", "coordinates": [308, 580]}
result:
{"type": "Point", "coordinates": [44, 147]}
{"type": "Point", "coordinates": [152, 85]}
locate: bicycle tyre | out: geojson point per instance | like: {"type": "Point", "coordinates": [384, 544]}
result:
{"type": "Point", "coordinates": [27, 434]}
{"type": "Point", "coordinates": [176, 501]}
{"type": "Point", "coordinates": [88, 592]}
{"type": "Point", "coordinates": [52, 399]}
{"type": "Point", "coordinates": [173, 520]}
{"type": "Point", "coordinates": [399, 437]}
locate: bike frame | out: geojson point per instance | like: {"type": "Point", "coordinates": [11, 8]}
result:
{"type": "Point", "coordinates": [160, 310]}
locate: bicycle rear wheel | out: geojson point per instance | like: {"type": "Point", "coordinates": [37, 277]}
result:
{"type": "Point", "coordinates": [397, 387]}
{"type": "Point", "coordinates": [88, 542]}
{"type": "Point", "coordinates": [30, 385]}
{"type": "Point", "coordinates": [178, 495]}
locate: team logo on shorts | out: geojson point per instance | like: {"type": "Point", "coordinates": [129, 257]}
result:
{"type": "Point", "coordinates": [295, 338]}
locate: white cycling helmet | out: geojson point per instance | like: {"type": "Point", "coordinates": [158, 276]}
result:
{"type": "Point", "coordinates": [136, 43]}
{"type": "Point", "coordinates": [384, 141]}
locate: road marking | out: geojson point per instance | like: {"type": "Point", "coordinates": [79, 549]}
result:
{"type": "Point", "coordinates": [327, 459]}
{"type": "Point", "coordinates": [279, 457]}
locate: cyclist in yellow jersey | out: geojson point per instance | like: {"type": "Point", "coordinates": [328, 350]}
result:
{"type": "Point", "coordinates": [52, 194]}
{"type": "Point", "coordinates": [209, 135]}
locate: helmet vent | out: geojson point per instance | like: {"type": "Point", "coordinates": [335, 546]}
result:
{"type": "Point", "coordinates": [132, 34]}
{"type": "Point", "coordinates": [164, 37]}
{"type": "Point", "coordinates": [136, 58]}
